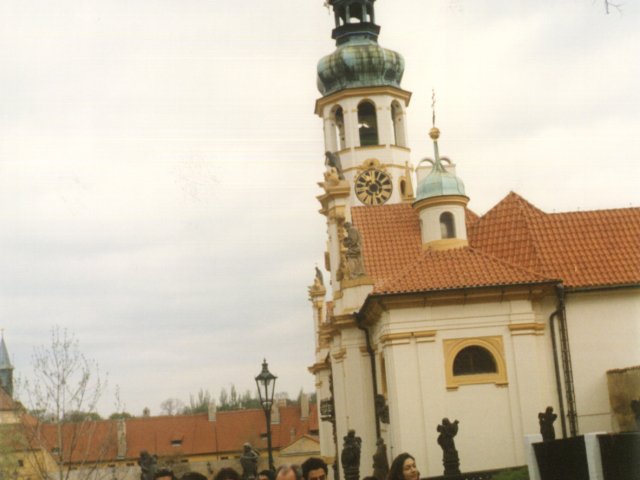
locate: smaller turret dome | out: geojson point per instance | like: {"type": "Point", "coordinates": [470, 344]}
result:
{"type": "Point", "coordinates": [359, 62]}
{"type": "Point", "coordinates": [438, 183]}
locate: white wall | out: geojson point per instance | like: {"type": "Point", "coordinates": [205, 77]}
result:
{"type": "Point", "coordinates": [493, 418]}
{"type": "Point", "coordinates": [604, 334]}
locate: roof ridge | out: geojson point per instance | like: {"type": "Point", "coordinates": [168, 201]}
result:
{"type": "Point", "coordinates": [526, 215]}
{"type": "Point", "coordinates": [533, 231]}
{"type": "Point", "coordinates": [511, 265]}
{"type": "Point", "coordinates": [597, 210]}
{"type": "Point", "coordinates": [517, 199]}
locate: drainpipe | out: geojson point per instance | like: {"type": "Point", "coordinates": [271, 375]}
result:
{"type": "Point", "coordinates": [560, 314]}
{"type": "Point", "coordinates": [372, 360]}
{"type": "Point", "coordinates": [556, 365]}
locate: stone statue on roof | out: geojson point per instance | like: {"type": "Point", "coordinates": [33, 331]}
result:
{"type": "Point", "coordinates": [319, 280]}
{"type": "Point", "coordinates": [353, 256]}
{"type": "Point", "coordinates": [333, 164]}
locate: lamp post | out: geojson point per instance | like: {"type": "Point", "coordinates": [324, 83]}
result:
{"type": "Point", "coordinates": [266, 383]}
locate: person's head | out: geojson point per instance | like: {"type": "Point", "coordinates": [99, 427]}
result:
{"type": "Point", "coordinates": [314, 468]}
{"type": "Point", "coordinates": [164, 474]}
{"type": "Point", "coordinates": [403, 467]}
{"type": "Point", "coordinates": [289, 472]}
{"type": "Point", "coordinates": [266, 475]}
{"type": "Point", "coordinates": [227, 474]}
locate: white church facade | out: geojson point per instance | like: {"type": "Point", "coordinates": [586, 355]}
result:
{"type": "Point", "coordinates": [430, 311]}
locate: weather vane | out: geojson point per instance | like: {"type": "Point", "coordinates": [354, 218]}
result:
{"type": "Point", "coordinates": [433, 107]}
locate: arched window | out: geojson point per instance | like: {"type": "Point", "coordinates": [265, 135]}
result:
{"type": "Point", "coordinates": [337, 124]}
{"type": "Point", "coordinates": [447, 225]}
{"type": "Point", "coordinates": [474, 360]}
{"type": "Point", "coordinates": [367, 123]}
{"type": "Point", "coordinates": [398, 124]}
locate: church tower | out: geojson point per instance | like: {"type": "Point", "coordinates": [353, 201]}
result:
{"type": "Point", "coordinates": [363, 109]}
{"type": "Point", "coordinates": [6, 369]}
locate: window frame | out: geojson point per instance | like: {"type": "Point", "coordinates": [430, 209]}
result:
{"type": "Point", "coordinates": [494, 345]}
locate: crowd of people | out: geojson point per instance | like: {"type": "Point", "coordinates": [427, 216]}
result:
{"type": "Point", "coordinates": [403, 467]}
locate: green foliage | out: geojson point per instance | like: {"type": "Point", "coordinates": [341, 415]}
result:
{"type": "Point", "coordinates": [235, 401]}
{"type": "Point", "coordinates": [520, 473]}
{"type": "Point", "coordinates": [227, 400]}
{"type": "Point", "coordinates": [120, 415]}
{"type": "Point", "coordinates": [199, 403]}
{"type": "Point", "coordinates": [77, 416]}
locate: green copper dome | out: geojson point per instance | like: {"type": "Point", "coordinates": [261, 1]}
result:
{"type": "Point", "coordinates": [359, 62]}
{"type": "Point", "coordinates": [438, 182]}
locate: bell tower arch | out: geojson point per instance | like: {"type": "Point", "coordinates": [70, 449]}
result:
{"type": "Point", "coordinates": [363, 108]}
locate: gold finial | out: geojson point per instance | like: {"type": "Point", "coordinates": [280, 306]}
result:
{"type": "Point", "coordinates": [434, 133]}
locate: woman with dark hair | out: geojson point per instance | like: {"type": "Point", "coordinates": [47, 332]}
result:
{"type": "Point", "coordinates": [403, 467]}
{"type": "Point", "coordinates": [227, 474]}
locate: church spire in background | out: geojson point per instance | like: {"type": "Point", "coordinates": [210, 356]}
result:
{"type": "Point", "coordinates": [6, 369]}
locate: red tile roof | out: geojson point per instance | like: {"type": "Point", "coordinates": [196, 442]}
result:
{"type": "Point", "coordinates": [585, 249]}
{"type": "Point", "coordinates": [457, 268]}
{"type": "Point", "coordinates": [155, 434]}
{"type": "Point", "coordinates": [513, 243]}
{"type": "Point", "coordinates": [187, 435]}
{"type": "Point", "coordinates": [83, 442]}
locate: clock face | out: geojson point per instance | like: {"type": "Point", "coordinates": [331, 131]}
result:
{"type": "Point", "coordinates": [373, 187]}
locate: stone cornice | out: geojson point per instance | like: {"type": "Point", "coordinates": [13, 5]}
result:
{"type": "Point", "coordinates": [529, 328]}
{"type": "Point", "coordinates": [318, 367]}
{"type": "Point", "coordinates": [400, 338]}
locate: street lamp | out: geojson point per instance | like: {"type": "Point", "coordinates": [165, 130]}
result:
{"type": "Point", "coordinates": [266, 382]}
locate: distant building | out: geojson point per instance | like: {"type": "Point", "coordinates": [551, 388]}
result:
{"type": "Point", "coordinates": [110, 449]}
{"type": "Point", "coordinates": [203, 443]}
{"type": "Point", "coordinates": [435, 312]}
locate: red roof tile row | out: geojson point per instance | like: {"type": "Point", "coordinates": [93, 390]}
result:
{"type": "Point", "coordinates": [587, 249]}
{"type": "Point", "coordinates": [513, 243]}
{"type": "Point", "coordinates": [185, 435]}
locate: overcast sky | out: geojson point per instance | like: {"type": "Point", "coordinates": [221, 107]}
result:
{"type": "Point", "coordinates": [159, 160]}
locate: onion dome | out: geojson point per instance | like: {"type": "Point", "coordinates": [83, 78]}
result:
{"type": "Point", "coordinates": [358, 60]}
{"type": "Point", "coordinates": [438, 182]}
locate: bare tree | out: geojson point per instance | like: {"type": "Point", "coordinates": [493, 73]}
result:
{"type": "Point", "coordinates": [172, 406]}
{"type": "Point", "coordinates": [608, 5]}
{"type": "Point", "coordinates": [65, 383]}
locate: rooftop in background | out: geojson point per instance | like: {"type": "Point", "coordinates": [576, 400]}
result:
{"type": "Point", "coordinates": [188, 435]}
